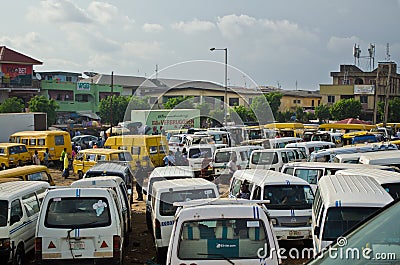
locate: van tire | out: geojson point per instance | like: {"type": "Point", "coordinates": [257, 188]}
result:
{"type": "Point", "coordinates": [80, 174]}
{"type": "Point", "coordinates": [19, 256]}
{"type": "Point", "coordinates": [3, 167]}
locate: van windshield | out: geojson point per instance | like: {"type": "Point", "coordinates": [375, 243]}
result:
{"type": "Point", "coordinates": [167, 199]}
{"type": "Point", "coordinates": [216, 239]}
{"type": "Point", "coordinates": [341, 219]}
{"type": "Point", "coordinates": [288, 196]}
{"type": "Point", "coordinates": [78, 212]}
{"type": "Point", "coordinates": [200, 153]}
{"type": "Point", "coordinates": [393, 189]}
{"type": "Point", "coordinates": [264, 158]}
{"type": "Point", "coordinates": [4, 213]}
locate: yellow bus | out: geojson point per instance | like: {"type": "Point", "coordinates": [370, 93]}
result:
{"type": "Point", "coordinates": [28, 173]}
{"type": "Point", "coordinates": [150, 150]}
{"type": "Point", "coordinates": [55, 141]}
{"type": "Point", "coordinates": [361, 137]}
{"type": "Point", "coordinates": [12, 154]}
{"type": "Point", "coordinates": [286, 129]}
{"type": "Point", "coordinates": [345, 128]}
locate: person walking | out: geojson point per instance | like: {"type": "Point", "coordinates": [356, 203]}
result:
{"type": "Point", "coordinates": [46, 157]}
{"type": "Point", "coordinates": [140, 175]}
{"type": "Point", "coordinates": [63, 153]}
{"type": "Point", "coordinates": [65, 173]}
{"type": "Point", "coordinates": [35, 158]}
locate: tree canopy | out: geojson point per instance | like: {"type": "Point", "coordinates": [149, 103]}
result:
{"type": "Point", "coordinates": [180, 102]}
{"type": "Point", "coordinates": [322, 112]}
{"type": "Point", "coordinates": [119, 105]}
{"type": "Point", "coordinates": [43, 104]}
{"type": "Point", "coordinates": [12, 105]}
{"type": "Point", "coordinates": [346, 108]}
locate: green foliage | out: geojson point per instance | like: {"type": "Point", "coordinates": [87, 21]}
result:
{"type": "Point", "coordinates": [43, 104]}
{"type": "Point", "coordinates": [300, 114]}
{"type": "Point", "coordinates": [12, 105]}
{"type": "Point", "coordinates": [393, 110]}
{"type": "Point", "coordinates": [274, 101]}
{"type": "Point", "coordinates": [261, 110]}
{"type": "Point", "coordinates": [139, 103]}
{"type": "Point", "coordinates": [185, 102]}
{"type": "Point", "coordinates": [346, 108]}
{"type": "Point", "coordinates": [119, 106]}
{"type": "Point", "coordinates": [217, 117]}
{"type": "Point", "coordinates": [322, 112]}
{"type": "Point", "coordinates": [245, 114]}
{"type": "Point", "coordinates": [284, 116]}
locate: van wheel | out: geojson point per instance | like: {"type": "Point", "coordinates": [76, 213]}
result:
{"type": "Point", "coordinates": [3, 167]}
{"type": "Point", "coordinates": [80, 174]}
{"type": "Point", "coordinates": [19, 256]}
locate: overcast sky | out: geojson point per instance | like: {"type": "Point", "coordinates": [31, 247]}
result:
{"type": "Point", "coordinates": [271, 42]}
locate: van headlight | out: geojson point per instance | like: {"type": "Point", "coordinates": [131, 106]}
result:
{"type": "Point", "coordinates": [274, 221]}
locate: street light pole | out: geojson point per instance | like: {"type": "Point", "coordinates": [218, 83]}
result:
{"type": "Point", "coordinates": [226, 82]}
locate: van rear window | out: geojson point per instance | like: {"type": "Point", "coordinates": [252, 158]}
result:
{"type": "Point", "coordinates": [264, 158]}
{"type": "Point", "coordinates": [78, 212]}
{"type": "Point", "coordinates": [221, 157]}
{"type": "Point", "coordinates": [38, 176]}
{"type": "Point", "coordinates": [200, 153]}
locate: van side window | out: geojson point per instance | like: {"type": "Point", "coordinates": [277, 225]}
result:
{"type": "Point", "coordinates": [291, 156]}
{"type": "Point", "coordinates": [288, 170]}
{"type": "Point", "coordinates": [38, 176]}
{"type": "Point", "coordinates": [16, 211]}
{"type": "Point", "coordinates": [153, 150]}
{"type": "Point", "coordinates": [59, 139]}
{"type": "Point", "coordinates": [101, 157]}
{"type": "Point", "coordinates": [41, 142]}
{"type": "Point", "coordinates": [244, 155]}
{"type": "Point", "coordinates": [236, 186]}
{"type": "Point", "coordinates": [25, 141]}
{"type": "Point", "coordinates": [135, 150]}
{"type": "Point", "coordinates": [32, 141]}
{"type": "Point", "coordinates": [284, 157]}
{"type": "Point", "coordinates": [163, 149]}
{"type": "Point", "coordinates": [31, 204]}
{"type": "Point", "coordinates": [1, 150]}
{"type": "Point", "coordinates": [257, 193]}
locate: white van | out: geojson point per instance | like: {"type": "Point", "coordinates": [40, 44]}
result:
{"type": "Point", "coordinates": [272, 159]}
{"type": "Point", "coordinates": [166, 193]}
{"type": "Point", "coordinates": [160, 174]}
{"type": "Point", "coordinates": [223, 155]}
{"type": "Point", "coordinates": [313, 171]}
{"type": "Point", "coordinates": [118, 185]}
{"type": "Point", "coordinates": [340, 203]}
{"type": "Point", "coordinates": [290, 199]}
{"type": "Point", "coordinates": [389, 180]}
{"type": "Point", "coordinates": [80, 224]}
{"type": "Point", "coordinates": [309, 147]}
{"type": "Point", "coordinates": [200, 159]}
{"type": "Point", "coordinates": [388, 158]}
{"type": "Point", "coordinates": [352, 158]}
{"type": "Point", "coordinates": [328, 154]}
{"type": "Point", "coordinates": [222, 231]}
{"type": "Point", "coordinates": [20, 202]}
{"type": "Point", "coordinates": [219, 137]}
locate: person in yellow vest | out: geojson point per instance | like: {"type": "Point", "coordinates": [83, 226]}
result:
{"type": "Point", "coordinates": [65, 173]}
{"type": "Point", "coordinates": [63, 153]}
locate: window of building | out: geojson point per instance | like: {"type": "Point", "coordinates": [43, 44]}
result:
{"type": "Point", "coordinates": [346, 82]}
{"type": "Point", "coordinates": [346, 96]}
{"type": "Point", "coordinates": [319, 102]}
{"type": "Point", "coordinates": [68, 78]}
{"type": "Point", "coordinates": [312, 103]}
{"type": "Point", "coordinates": [363, 98]}
{"type": "Point", "coordinates": [294, 101]}
{"type": "Point", "coordinates": [358, 81]}
{"type": "Point", "coordinates": [82, 98]}
{"type": "Point", "coordinates": [233, 101]}
{"type": "Point", "coordinates": [250, 101]}
{"type": "Point", "coordinates": [331, 99]}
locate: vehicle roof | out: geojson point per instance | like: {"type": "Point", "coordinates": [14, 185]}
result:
{"type": "Point", "coordinates": [12, 188]}
{"type": "Point", "coordinates": [381, 176]}
{"type": "Point", "coordinates": [109, 167]}
{"type": "Point", "coordinates": [202, 146]}
{"type": "Point", "coordinates": [311, 143]}
{"type": "Point", "coordinates": [381, 158]}
{"type": "Point", "coordinates": [38, 133]}
{"type": "Point", "coordinates": [19, 170]}
{"type": "Point", "coordinates": [10, 144]}
{"type": "Point", "coordinates": [283, 139]}
{"type": "Point", "coordinates": [177, 171]}
{"type": "Point", "coordinates": [234, 148]}
{"type": "Point", "coordinates": [183, 184]}
{"type": "Point", "coordinates": [356, 148]}
{"type": "Point", "coordinates": [330, 165]}
{"type": "Point", "coordinates": [352, 191]}
{"type": "Point", "coordinates": [77, 192]}
{"type": "Point", "coordinates": [101, 181]}
{"type": "Point", "coordinates": [272, 150]}
{"type": "Point", "coordinates": [102, 151]}
{"type": "Point", "coordinates": [284, 125]}
{"type": "Point", "coordinates": [83, 135]}
{"type": "Point", "coordinates": [262, 176]}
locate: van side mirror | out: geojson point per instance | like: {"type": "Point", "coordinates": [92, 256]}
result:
{"type": "Point", "coordinates": [14, 219]}
{"type": "Point", "coordinates": [317, 230]}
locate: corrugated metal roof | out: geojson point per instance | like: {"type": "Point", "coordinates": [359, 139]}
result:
{"type": "Point", "coordinates": [10, 56]}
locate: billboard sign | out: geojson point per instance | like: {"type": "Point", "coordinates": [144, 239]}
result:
{"type": "Point", "coordinates": [364, 89]}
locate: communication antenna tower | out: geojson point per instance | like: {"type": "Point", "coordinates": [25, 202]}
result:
{"type": "Point", "coordinates": [387, 52]}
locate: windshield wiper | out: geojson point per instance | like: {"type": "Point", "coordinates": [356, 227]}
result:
{"type": "Point", "coordinates": [217, 255]}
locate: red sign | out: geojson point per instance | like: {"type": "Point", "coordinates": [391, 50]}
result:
{"type": "Point", "coordinates": [14, 70]}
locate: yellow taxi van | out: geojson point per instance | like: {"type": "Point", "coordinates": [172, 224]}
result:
{"type": "Point", "coordinates": [85, 159]}
{"type": "Point", "coordinates": [12, 154]}
{"type": "Point", "coordinates": [150, 150]}
{"type": "Point", "coordinates": [55, 141]}
{"type": "Point", "coordinates": [28, 173]}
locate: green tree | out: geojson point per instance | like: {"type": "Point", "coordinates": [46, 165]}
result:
{"type": "Point", "coordinates": [245, 114]}
{"type": "Point", "coordinates": [346, 108]}
{"type": "Point", "coordinates": [322, 112]}
{"type": "Point", "coordinates": [43, 104]}
{"type": "Point", "coordinates": [274, 101]}
{"type": "Point", "coordinates": [300, 114]}
{"type": "Point", "coordinates": [284, 116]}
{"type": "Point", "coordinates": [119, 106]}
{"type": "Point", "coordinates": [180, 102]}
{"type": "Point", "coordinates": [393, 110]}
{"type": "Point", "coordinates": [12, 105]}
{"type": "Point", "coordinates": [261, 110]}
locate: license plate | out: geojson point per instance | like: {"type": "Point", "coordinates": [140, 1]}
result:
{"type": "Point", "coordinates": [78, 245]}
{"type": "Point", "coordinates": [294, 233]}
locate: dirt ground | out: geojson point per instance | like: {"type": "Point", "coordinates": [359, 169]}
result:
{"type": "Point", "coordinates": [141, 248]}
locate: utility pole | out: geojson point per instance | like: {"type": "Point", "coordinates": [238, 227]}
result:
{"type": "Point", "coordinates": [111, 102]}
{"type": "Point", "coordinates": [387, 91]}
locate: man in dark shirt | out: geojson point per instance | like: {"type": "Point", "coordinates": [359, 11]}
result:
{"type": "Point", "coordinates": [140, 175]}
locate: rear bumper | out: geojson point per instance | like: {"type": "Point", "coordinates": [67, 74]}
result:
{"type": "Point", "coordinates": [78, 261]}
{"type": "Point", "coordinates": [293, 233]}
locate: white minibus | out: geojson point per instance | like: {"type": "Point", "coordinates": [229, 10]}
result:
{"type": "Point", "coordinates": [272, 159]}
{"type": "Point", "coordinates": [388, 158]}
{"type": "Point", "coordinates": [159, 174]}
{"type": "Point", "coordinates": [118, 185]}
{"type": "Point", "coordinates": [290, 199]}
{"type": "Point", "coordinates": [313, 171]}
{"type": "Point", "coordinates": [20, 202]}
{"type": "Point", "coordinates": [340, 203]}
{"type": "Point", "coordinates": [352, 158]}
{"type": "Point", "coordinates": [309, 147]}
{"type": "Point", "coordinates": [222, 231]}
{"type": "Point", "coordinates": [166, 193]}
{"type": "Point", "coordinates": [80, 225]}
{"type": "Point", "coordinates": [389, 180]}
{"type": "Point", "coordinates": [223, 155]}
